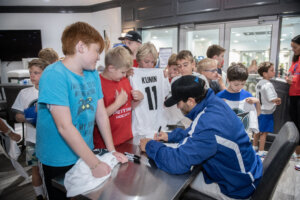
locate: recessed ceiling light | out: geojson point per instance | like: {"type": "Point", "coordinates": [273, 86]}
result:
{"type": "Point", "coordinates": [202, 39]}
{"type": "Point", "coordinates": [282, 39]}
{"type": "Point", "coordinates": [235, 41]}
{"type": "Point", "coordinates": [154, 37]}
{"type": "Point", "coordinates": [237, 34]}
{"type": "Point", "coordinates": [260, 3]}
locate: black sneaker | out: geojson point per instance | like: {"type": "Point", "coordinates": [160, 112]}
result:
{"type": "Point", "coordinates": [40, 197]}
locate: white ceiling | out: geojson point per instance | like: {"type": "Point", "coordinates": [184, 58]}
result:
{"type": "Point", "coordinates": [50, 2]}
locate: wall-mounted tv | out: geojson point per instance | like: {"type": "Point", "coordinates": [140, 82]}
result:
{"type": "Point", "coordinates": [18, 44]}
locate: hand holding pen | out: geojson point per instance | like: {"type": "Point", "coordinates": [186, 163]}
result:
{"type": "Point", "coordinates": [161, 136]}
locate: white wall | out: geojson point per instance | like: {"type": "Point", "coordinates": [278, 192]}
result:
{"type": "Point", "coordinates": [53, 24]}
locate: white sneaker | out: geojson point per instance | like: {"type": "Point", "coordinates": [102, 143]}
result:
{"type": "Point", "coordinates": [262, 154]}
{"type": "Point", "coordinates": [294, 157]}
{"type": "Point", "coordinates": [255, 148]}
{"type": "Point", "coordinates": [297, 166]}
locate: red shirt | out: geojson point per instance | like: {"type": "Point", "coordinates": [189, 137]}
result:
{"type": "Point", "coordinates": [295, 86]}
{"type": "Point", "coordinates": [135, 63]}
{"type": "Point", "coordinates": [120, 121]}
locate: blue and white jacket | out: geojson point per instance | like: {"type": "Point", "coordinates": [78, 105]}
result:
{"type": "Point", "coordinates": [217, 140]}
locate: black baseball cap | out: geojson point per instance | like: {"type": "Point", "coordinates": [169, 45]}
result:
{"type": "Point", "coordinates": [185, 87]}
{"type": "Point", "coordinates": [133, 36]}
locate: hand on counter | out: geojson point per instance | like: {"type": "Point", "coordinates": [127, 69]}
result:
{"type": "Point", "coordinates": [143, 143]}
{"type": "Point", "coordinates": [120, 157]}
{"type": "Point", "coordinates": [101, 169]}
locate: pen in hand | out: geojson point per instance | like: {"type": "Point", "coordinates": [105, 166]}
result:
{"type": "Point", "coordinates": [157, 135]}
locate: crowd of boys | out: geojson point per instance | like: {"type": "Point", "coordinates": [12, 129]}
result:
{"type": "Point", "coordinates": [74, 109]}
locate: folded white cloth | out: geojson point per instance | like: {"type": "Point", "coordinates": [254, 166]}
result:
{"type": "Point", "coordinates": [10, 146]}
{"type": "Point", "coordinates": [79, 179]}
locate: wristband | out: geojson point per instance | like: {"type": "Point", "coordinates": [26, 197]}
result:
{"type": "Point", "coordinates": [113, 151]}
{"type": "Point", "coordinates": [95, 166]}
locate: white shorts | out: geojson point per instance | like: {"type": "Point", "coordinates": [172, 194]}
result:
{"type": "Point", "coordinates": [212, 189]}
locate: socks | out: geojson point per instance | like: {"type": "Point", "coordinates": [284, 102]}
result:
{"type": "Point", "coordinates": [38, 190]}
{"type": "Point", "coordinates": [255, 148]}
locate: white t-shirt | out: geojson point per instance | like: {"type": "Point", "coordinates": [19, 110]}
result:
{"type": "Point", "coordinates": [265, 92]}
{"type": "Point", "coordinates": [150, 114]}
{"type": "Point", "coordinates": [24, 99]}
{"type": "Point", "coordinates": [247, 114]}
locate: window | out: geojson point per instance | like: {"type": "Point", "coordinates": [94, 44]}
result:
{"type": "Point", "coordinates": [289, 29]}
{"type": "Point", "coordinates": [161, 37]}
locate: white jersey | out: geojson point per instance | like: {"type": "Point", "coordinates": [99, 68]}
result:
{"type": "Point", "coordinates": [265, 92]}
{"type": "Point", "coordinates": [150, 114]}
{"type": "Point", "coordinates": [194, 74]}
{"type": "Point", "coordinates": [24, 99]}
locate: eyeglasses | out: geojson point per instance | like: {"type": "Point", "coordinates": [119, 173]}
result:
{"type": "Point", "coordinates": [211, 70]}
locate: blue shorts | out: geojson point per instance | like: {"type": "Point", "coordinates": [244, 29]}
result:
{"type": "Point", "coordinates": [266, 123]}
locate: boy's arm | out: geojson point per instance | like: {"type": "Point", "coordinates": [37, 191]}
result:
{"type": "Point", "coordinates": [7, 131]}
{"type": "Point", "coordinates": [104, 128]}
{"type": "Point", "coordinates": [252, 100]}
{"type": "Point", "coordinates": [63, 121]}
{"type": "Point", "coordinates": [137, 98]}
{"type": "Point", "coordinates": [20, 117]}
{"type": "Point", "coordinates": [277, 101]}
{"type": "Point", "coordinates": [258, 109]}
{"type": "Point", "coordinates": [18, 107]}
{"type": "Point", "coordinates": [121, 99]}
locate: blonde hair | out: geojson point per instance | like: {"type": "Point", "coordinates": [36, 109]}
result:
{"type": "Point", "coordinates": [118, 57]}
{"type": "Point", "coordinates": [172, 59]}
{"type": "Point", "coordinates": [48, 54]}
{"type": "Point", "coordinates": [145, 50]}
{"type": "Point", "coordinates": [38, 62]}
{"type": "Point", "coordinates": [205, 63]}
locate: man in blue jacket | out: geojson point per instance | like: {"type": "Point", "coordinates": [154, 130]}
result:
{"type": "Point", "coordinates": [216, 139]}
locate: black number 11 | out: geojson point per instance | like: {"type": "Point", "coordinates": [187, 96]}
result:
{"type": "Point", "coordinates": [149, 97]}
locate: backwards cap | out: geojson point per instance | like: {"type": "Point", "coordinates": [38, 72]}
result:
{"type": "Point", "coordinates": [184, 88]}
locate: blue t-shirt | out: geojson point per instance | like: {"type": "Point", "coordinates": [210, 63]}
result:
{"type": "Point", "coordinates": [243, 94]}
{"type": "Point", "coordinates": [59, 86]}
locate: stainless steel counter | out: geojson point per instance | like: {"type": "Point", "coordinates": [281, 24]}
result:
{"type": "Point", "coordinates": [138, 181]}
